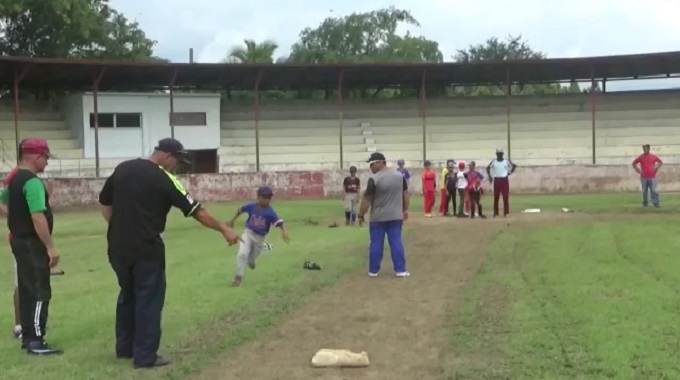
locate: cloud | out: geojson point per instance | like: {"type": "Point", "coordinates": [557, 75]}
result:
{"type": "Point", "coordinates": [560, 29]}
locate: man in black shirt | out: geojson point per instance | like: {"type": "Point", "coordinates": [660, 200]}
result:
{"type": "Point", "coordinates": [135, 201]}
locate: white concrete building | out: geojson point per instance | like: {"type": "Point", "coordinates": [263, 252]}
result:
{"type": "Point", "coordinates": [130, 124]}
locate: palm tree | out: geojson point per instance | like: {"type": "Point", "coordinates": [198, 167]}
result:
{"type": "Point", "coordinates": [253, 52]}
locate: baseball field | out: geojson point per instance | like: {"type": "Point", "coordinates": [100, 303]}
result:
{"type": "Point", "coordinates": [591, 294]}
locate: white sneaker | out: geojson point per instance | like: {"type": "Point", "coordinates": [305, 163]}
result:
{"type": "Point", "coordinates": [402, 274]}
{"type": "Point", "coordinates": [372, 274]}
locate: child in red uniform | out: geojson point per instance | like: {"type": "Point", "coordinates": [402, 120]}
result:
{"type": "Point", "coordinates": [17, 321]}
{"type": "Point", "coordinates": [429, 179]}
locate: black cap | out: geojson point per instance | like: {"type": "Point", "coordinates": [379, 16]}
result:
{"type": "Point", "coordinates": [174, 147]}
{"type": "Point", "coordinates": [376, 157]}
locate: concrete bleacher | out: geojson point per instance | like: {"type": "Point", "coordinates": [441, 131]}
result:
{"type": "Point", "coordinates": [548, 130]}
{"type": "Point", "coordinates": [305, 135]}
{"type": "Point", "coordinates": [43, 121]}
{"type": "Point", "coordinates": [288, 144]}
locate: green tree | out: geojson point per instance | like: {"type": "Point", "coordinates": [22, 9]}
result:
{"type": "Point", "coordinates": [253, 52]}
{"type": "Point", "coordinates": [493, 50]}
{"type": "Point", "coordinates": [514, 48]}
{"type": "Point", "coordinates": [70, 28]}
{"type": "Point", "coordinates": [369, 37]}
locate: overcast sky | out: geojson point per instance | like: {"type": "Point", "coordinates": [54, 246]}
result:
{"type": "Point", "coordinates": [559, 28]}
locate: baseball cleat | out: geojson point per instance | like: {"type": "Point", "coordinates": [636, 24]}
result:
{"type": "Point", "coordinates": [237, 281]}
{"type": "Point", "coordinates": [402, 274]}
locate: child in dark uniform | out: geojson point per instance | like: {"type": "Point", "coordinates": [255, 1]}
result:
{"type": "Point", "coordinates": [352, 186]}
{"type": "Point", "coordinates": [451, 185]}
{"type": "Point", "coordinates": [475, 190]}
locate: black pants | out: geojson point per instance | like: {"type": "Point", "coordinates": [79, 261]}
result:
{"type": "Point", "coordinates": [475, 203]}
{"type": "Point", "coordinates": [139, 308]}
{"type": "Point", "coordinates": [35, 290]}
{"type": "Point", "coordinates": [451, 198]}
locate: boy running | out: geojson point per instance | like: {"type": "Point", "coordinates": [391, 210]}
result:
{"type": "Point", "coordinates": [352, 186]}
{"type": "Point", "coordinates": [429, 179]}
{"type": "Point", "coordinates": [261, 216]}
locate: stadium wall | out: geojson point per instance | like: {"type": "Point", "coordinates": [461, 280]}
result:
{"type": "Point", "coordinates": [76, 192]}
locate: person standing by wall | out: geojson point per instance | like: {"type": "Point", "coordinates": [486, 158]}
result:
{"type": "Point", "coordinates": [429, 179]}
{"type": "Point", "coordinates": [649, 166]}
{"type": "Point", "coordinates": [135, 201]}
{"type": "Point", "coordinates": [388, 199]}
{"type": "Point", "coordinates": [352, 185]}
{"type": "Point", "coordinates": [30, 223]}
{"type": "Point", "coordinates": [461, 185]}
{"type": "Point", "coordinates": [499, 171]}
{"type": "Point", "coordinates": [474, 189]}
{"type": "Point", "coordinates": [401, 169]}
{"type": "Point", "coordinates": [443, 193]}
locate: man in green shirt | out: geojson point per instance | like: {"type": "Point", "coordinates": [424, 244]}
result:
{"type": "Point", "coordinates": [30, 223]}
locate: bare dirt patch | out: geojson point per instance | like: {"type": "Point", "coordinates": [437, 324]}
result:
{"type": "Point", "coordinates": [400, 322]}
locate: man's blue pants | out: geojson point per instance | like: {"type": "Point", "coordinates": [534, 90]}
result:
{"type": "Point", "coordinates": [378, 230]}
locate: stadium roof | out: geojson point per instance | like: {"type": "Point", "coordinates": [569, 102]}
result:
{"type": "Point", "coordinates": [79, 74]}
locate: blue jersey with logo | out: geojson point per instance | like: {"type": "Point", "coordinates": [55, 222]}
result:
{"type": "Point", "coordinates": [260, 219]}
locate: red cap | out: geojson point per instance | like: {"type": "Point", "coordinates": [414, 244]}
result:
{"type": "Point", "coordinates": [35, 146]}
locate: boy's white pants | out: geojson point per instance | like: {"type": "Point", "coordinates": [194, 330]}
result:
{"type": "Point", "coordinates": [248, 251]}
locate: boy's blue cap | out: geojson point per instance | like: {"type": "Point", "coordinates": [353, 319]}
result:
{"type": "Point", "coordinates": [400, 161]}
{"type": "Point", "coordinates": [265, 190]}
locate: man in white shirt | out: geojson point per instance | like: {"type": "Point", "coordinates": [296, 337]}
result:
{"type": "Point", "coordinates": [499, 170]}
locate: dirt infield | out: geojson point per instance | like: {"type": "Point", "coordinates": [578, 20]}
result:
{"type": "Point", "coordinates": [400, 322]}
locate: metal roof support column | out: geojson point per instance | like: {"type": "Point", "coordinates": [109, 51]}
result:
{"type": "Point", "coordinates": [258, 79]}
{"type": "Point", "coordinates": [173, 79]}
{"type": "Point", "coordinates": [18, 77]}
{"type": "Point", "coordinates": [341, 116]}
{"type": "Point", "coordinates": [96, 79]}
{"type": "Point", "coordinates": [508, 108]}
{"type": "Point", "coordinates": [593, 100]}
{"type": "Point", "coordinates": [423, 111]}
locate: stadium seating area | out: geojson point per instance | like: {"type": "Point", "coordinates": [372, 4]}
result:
{"type": "Point", "coordinates": [550, 130]}
{"type": "Point", "coordinates": [305, 135]}
{"type": "Point", "coordinates": [40, 120]}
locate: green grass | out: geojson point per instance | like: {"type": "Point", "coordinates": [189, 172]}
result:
{"type": "Point", "coordinates": [202, 313]}
{"type": "Point", "coordinates": [582, 300]}
{"type": "Point", "coordinates": [595, 298]}
{"type": "Point", "coordinates": [588, 203]}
